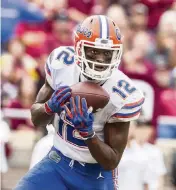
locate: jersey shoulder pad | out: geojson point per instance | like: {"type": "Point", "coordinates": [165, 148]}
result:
{"type": "Point", "coordinates": [127, 99]}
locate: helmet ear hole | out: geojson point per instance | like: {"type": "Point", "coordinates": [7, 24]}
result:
{"type": "Point", "coordinates": [91, 21]}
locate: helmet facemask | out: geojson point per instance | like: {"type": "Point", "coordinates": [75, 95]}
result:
{"type": "Point", "coordinates": [93, 69]}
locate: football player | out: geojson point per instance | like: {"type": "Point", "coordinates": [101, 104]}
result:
{"type": "Point", "coordinates": [87, 147]}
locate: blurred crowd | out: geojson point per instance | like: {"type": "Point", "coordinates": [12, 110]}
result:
{"type": "Point", "coordinates": [31, 29]}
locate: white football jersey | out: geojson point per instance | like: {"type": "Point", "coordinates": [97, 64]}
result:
{"type": "Point", "coordinates": [124, 105]}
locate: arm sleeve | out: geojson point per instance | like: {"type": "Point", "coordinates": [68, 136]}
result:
{"type": "Point", "coordinates": [130, 111]}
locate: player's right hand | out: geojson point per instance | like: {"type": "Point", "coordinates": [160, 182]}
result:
{"type": "Point", "coordinates": [80, 116]}
{"type": "Point", "coordinates": [57, 100]}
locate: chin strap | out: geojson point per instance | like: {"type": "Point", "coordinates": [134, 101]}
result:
{"type": "Point", "coordinates": [83, 78]}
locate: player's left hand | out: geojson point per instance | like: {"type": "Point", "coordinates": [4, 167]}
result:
{"type": "Point", "coordinates": [81, 117]}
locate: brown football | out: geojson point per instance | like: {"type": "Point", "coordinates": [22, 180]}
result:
{"type": "Point", "coordinates": [95, 95]}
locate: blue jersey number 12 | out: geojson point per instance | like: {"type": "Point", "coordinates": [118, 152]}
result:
{"type": "Point", "coordinates": [123, 89]}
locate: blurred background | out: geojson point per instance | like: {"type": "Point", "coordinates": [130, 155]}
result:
{"type": "Point", "coordinates": [31, 29]}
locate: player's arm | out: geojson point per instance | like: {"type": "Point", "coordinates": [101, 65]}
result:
{"type": "Point", "coordinates": [49, 99]}
{"type": "Point", "coordinates": [38, 114]}
{"type": "Point", "coordinates": [48, 103]}
{"type": "Point", "coordinates": [109, 152]}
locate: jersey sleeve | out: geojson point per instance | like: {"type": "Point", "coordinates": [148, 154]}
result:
{"type": "Point", "coordinates": [57, 63]}
{"type": "Point", "coordinates": [48, 69]}
{"type": "Point", "coordinates": [130, 110]}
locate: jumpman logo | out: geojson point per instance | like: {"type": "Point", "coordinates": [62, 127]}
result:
{"type": "Point", "coordinates": [100, 176]}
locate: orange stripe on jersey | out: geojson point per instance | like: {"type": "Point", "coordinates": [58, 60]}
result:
{"type": "Point", "coordinates": [127, 115]}
{"type": "Point", "coordinates": [130, 115]}
{"type": "Point", "coordinates": [135, 104]}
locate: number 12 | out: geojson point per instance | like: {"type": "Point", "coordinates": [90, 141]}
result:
{"type": "Point", "coordinates": [123, 89]}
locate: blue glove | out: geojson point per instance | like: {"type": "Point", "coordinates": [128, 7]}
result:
{"type": "Point", "coordinates": [81, 117]}
{"type": "Point", "coordinates": [57, 100]}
